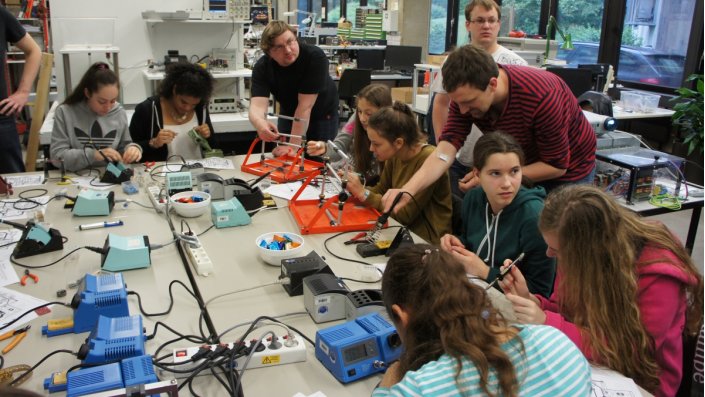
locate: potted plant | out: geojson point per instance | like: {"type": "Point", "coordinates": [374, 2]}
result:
{"type": "Point", "coordinates": [688, 117]}
{"type": "Point", "coordinates": [689, 114]}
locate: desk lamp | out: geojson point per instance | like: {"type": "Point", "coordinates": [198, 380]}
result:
{"type": "Point", "coordinates": [310, 20]}
{"type": "Point", "coordinates": [567, 40]}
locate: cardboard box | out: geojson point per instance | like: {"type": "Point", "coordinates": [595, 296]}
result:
{"type": "Point", "coordinates": [404, 94]}
{"type": "Point", "coordinates": [436, 59]}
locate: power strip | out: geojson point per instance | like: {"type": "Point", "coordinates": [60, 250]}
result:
{"type": "Point", "coordinates": [196, 254]}
{"type": "Point", "coordinates": [158, 203]}
{"type": "Point", "coordinates": [294, 352]}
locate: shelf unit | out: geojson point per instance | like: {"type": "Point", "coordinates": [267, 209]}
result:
{"type": "Point", "coordinates": [222, 122]}
{"type": "Point", "coordinates": [419, 102]}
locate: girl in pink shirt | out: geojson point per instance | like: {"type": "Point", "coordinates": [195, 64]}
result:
{"type": "Point", "coordinates": [626, 290]}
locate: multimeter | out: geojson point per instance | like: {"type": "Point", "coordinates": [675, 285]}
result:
{"type": "Point", "coordinates": [359, 348]}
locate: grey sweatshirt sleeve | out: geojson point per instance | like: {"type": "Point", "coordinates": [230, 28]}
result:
{"type": "Point", "coordinates": [62, 143]}
{"type": "Point", "coordinates": [343, 141]}
{"type": "Point", "coordinates": [125, 137]}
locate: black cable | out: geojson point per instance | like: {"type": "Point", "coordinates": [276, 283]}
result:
{"type": "Point", "coordinates": [94, 249]}
{"type": "Point", "coordinates": [29, 371]}
{"type": "Point", "coordinates": [190, 388]}
{"type": "Point", "coordinates": [158, 359]}
{"type": "Point", "coordinates": [32, 310]}
{"type": "Point", "coordinates": [325, 245]}
{"type": "Point", "coordinates": [203, 232]}
{"type": "Point", "coordinates": [10, 243]}
{"type": "Point", "coordinates": [190, 338]}
{"type": "Point", "coordinates": [171, 299]}
{"type": "Point", "coordinates": [183, 160]}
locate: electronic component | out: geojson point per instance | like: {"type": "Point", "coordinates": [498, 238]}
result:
{"type": "Point", "coordinates": [324, 297]}
{"type": "Point", "coordinates": [600, 124]}
{"type": "Point", "coordinates": [36, 239]}
{"type": "Point", "coordinates": [112, 339]}
{"type": "Point", "coordinates": [196, 254]}
{"type": "Point", "coordinates": [238, 10]}
{"type": "Point", "coordinates": [155, 196]}
{"type": "Point", "coordinates": [173, 56]}
{"type": "Point", "coordinates": [250, 197]}
{"type": "Point", "coordinates": [177, 182]}
{"type": "Point", "coordinates": [298, 268]}
{"type": "Point", "coordinates": [639, 168]}
{"type": "Point", "coordinates": [206, 148]}
{"type": "Point", "coordinates": [104, 294]}
{"type": "Point", "coordinates": [358, 348]}
{"type": "Point", "coordinates": [229, 213]}
{"type": "Point", "coordinates": [115, 173]}
{"type": "Point", "coordinates": [125, 253]}
{"type": "Point", "coordinates": [283, 351]}
{"type": "Point", "coordinates": [94, 203]}
{"type": "Point", "coordinates": [134, 372]}
{"type": "Point", "coordinates": [195, 169]}
{"type": "Point", "coordinates": [364, 301]}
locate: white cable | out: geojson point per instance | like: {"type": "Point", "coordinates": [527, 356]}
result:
{"type": "Point", "coordinates": [280, 281]}
{"type": "Point", "coordinates": [236, 326]}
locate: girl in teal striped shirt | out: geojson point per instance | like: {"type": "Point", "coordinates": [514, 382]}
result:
{"type": "Point", "coordinates": [457, 344]}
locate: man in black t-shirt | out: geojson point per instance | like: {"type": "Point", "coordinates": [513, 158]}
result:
{"type": "Point", "coordinates": [296, 74]}
{"type": "Point", "coordinates": [10, 105]}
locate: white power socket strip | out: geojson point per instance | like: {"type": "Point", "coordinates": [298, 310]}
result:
{"type": "Point", "coordinates": [266, 358]}
{"type": "Point", "coordinates": [197, 255]}
{"type": "Point", "coordinates": [153, 193]}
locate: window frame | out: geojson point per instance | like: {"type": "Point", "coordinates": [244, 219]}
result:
{"type": "Point", "coordinates": [610, 42]}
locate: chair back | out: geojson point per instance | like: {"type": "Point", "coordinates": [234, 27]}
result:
{"type": "Point", "coordinates": [352, 81]}
{"type": "Point", "coordinates": [600, 103]}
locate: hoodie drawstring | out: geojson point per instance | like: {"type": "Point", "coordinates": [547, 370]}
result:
{"type": "Point", "coordinates": [491, 242]}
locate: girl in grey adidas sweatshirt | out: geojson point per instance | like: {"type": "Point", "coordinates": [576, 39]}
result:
{"type": "Point", "coordinates": [90, 126]}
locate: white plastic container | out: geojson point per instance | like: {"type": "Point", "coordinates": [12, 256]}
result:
{"type": "Point", "coordinates": [190, 210]}
{"type": "Point", "coordinates": [274, 257]}
{"type": "Point", "coordinates": [649, 102]}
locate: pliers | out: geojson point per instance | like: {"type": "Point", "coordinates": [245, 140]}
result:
{"type": "Point", "coordinates": [358, 239]}
{"type": "Point", "coordinates": [149, 164]}
{"type": "Point", "coordinates": [27, 275]}
{"type": "Point", "coordinates": [19, 334]}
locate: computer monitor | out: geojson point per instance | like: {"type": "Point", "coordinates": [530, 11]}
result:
{"type": "Point", "coordinates": [599, 74]}
{"type": "Point", "coordinates": [578, 80]}
{"type": "Point", "coordinates": [402, 57]}
{"type": "Point", "coordinates": [370, 59]}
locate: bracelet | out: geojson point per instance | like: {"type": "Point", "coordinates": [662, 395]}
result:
{"type": "Point", "coordinates": [365, 195]}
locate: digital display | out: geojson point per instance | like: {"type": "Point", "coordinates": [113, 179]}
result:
{"type": "Point", "coordinates": [354, 353]}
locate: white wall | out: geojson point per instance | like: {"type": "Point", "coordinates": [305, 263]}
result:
{"type": "Point", "coordinates": [120, 23]}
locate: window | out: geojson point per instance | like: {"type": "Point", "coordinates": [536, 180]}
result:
{"type": "Point", "coordinates": [437, 28]}
{"type": "Point", "coordinates": [521, 15]}
{"type": "Point", "coordinates": [654, 42]}
{"type": "Point", "coordinates": [582, 19]}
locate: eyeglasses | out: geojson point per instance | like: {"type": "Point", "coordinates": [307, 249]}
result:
{"type": "Point", "coordinates": [280, 47]}
{"type": "Point", "coordinates": [482, 21]}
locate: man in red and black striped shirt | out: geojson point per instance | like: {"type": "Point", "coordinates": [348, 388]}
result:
{"type": "Point", "coordinates": [536, 107]}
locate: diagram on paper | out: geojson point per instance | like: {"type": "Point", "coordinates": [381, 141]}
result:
{"type": "Point", "coordinates": [608, 383]}
{"type": "Point", "coordinates": [13, 209]}
{"type": "Point", "coordinates": [25, 180]}
{"type": "Point", "coordinates": [13, 304]}
{"type": "Point", "coordinates": [602, 389]}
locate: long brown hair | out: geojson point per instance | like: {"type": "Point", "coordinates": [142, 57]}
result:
{"type": "Point", "coordinates": [600, 243]}
{"type": "Point", "coordinates": [379, 96]}
{"type": "Point", "coordinates": [451, 316]}
{"type": "Point", "coordinates": [97, 75]}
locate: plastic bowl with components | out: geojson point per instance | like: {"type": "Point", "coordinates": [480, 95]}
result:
{"type": "Point", "coordinates": [190, 204]}
{"type": "Point", "coordinates": [275, 246]}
